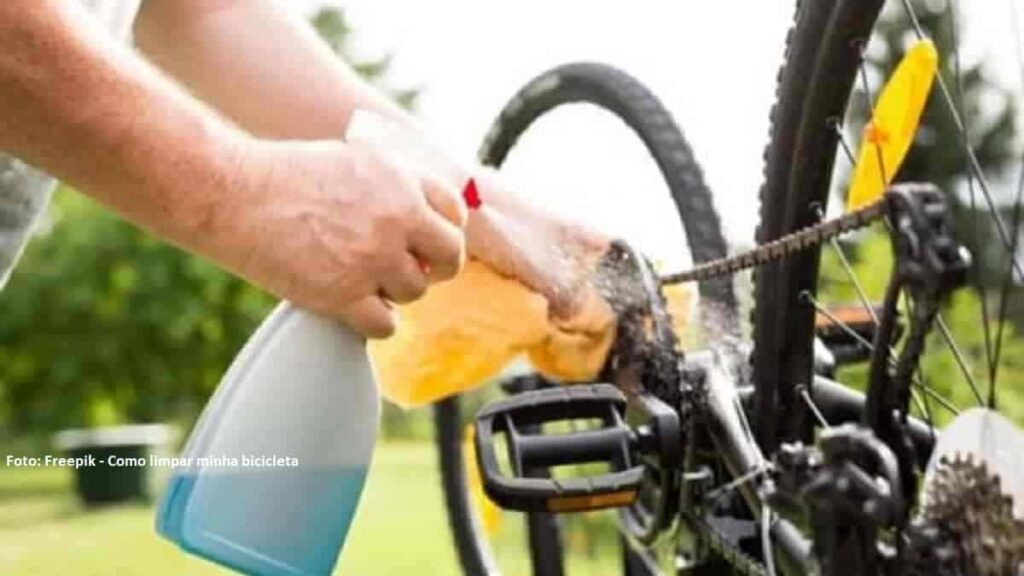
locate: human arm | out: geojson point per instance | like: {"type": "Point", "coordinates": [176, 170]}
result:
{"type": "Point", "coordinates": [303, 219]}
{"type": "Point", "coordinates": [295, 87]}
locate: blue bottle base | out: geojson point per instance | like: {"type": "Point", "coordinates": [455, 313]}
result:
{"type": "Point", "coordinates": [274, 521]}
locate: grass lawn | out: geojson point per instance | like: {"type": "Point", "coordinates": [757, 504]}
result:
{"type": "Point", "coordinates": [400, 530]}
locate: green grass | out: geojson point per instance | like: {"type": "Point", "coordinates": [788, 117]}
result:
{"type": "Point", "coordinates": [400, 529]}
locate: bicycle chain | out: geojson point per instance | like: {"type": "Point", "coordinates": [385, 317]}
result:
{"type": "Point", "coordinates": [785, 246]}
{"type": "Point", "coordinates": [738, 560]}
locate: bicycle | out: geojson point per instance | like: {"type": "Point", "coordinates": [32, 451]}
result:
{"type": "Point", "coordinates": [752, 456]}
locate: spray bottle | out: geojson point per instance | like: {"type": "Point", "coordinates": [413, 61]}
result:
{"type": "Point", "coordinates": [276, 463]}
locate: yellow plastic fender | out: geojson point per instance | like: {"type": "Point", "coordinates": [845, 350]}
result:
{"type": "Point", "coordinates": [894, 122]}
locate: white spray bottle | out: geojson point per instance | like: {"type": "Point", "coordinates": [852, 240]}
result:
{"type": "Point", "coordinates": [277, 460]}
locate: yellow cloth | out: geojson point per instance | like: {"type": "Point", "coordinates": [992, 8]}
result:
{"type": "Point", "coordinates": [465, 331]}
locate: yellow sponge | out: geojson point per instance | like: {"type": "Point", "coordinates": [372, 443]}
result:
{"type": "Point", "coordinates": [465, 331]}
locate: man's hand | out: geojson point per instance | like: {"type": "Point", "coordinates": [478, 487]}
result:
{"type": "Point", "coordinates": [296, 88]}
{"type": "Point", "coordinates": [340, 229]}
{"type": "Point", "coordinates": [336, 227]}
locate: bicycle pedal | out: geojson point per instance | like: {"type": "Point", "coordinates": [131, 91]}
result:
{"type": "Point", "coordinates": [533, 454]}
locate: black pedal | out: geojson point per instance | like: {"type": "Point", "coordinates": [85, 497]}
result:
{"type": "Point", "coordinates": [532, 453]}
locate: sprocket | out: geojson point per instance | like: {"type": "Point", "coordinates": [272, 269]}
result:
{"type": "Point", "coordinates": [932, 550]}
{"type": "Point", "coordinates": [966, 511]}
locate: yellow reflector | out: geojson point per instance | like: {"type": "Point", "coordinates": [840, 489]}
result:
{"type": "Point", "coordinates": [580, 503]}
{"type": "Point", "coordinates": [490, 514]}
{"type": "Point", "coordinates": [889, 134]}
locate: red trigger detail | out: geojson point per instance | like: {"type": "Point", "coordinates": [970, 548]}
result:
{"type": "Point", "coordinates": [471, 195]}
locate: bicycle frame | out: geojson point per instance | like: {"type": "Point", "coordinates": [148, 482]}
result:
{"type": "Point", "coordinates": [725, 405]}
{"type": "Point", "coordinates": [733, 439]}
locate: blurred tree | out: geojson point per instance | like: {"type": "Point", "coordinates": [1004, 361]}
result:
{"type": "Point", "coordinates": [104, 323]}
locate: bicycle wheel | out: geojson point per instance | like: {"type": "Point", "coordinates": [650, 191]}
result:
{"type": "Point", "coordinates": [620, 96]}
{"type": "Point", "coordinates": [822, 52]}
{"type": "Point", "coordinates": [832, 68]}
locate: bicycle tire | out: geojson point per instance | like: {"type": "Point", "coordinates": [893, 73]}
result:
{"type": "Point", "coordinates": [823, 51]}
{"type": "Point", "coordinates": [620, 94]}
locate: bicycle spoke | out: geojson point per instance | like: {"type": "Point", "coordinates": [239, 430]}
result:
{"type": "Point", "coordinates": [920, 380]}
{"type": "Point", "coordinates": [810, 299]}
{"type": "Point", "coordinates": [919, 404]}
{"type": "Point", "coordinates": [927, 407]}
{"type": "Point", "coordinates": [843, 142]}
{"type": "Point", "coordinates": [958, 355]}
{"type": "Point", "coordinates": [869, 95]}
{"type": "Point", "coordinates": [806, 396]}
{"type": "Point", "coordinates": [848, 269]}
{"type": "Point", "coordinates": [936, 396]}
{"type": "Point", "coordinates": [857, 287]}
